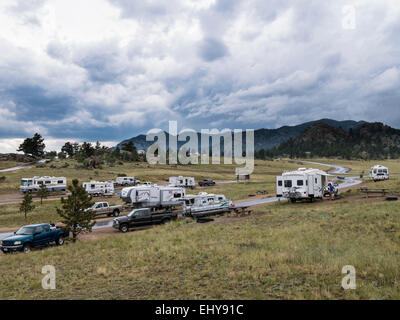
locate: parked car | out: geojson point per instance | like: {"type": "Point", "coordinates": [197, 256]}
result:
{"type": "Point", "coordinates": [142, 217]}
{"type": "Point", "coordinates": [34, 235]}
{"type": "Point", "coordinates": [206, 182]}
{"type": "Point", "coordinates": [103, 208]}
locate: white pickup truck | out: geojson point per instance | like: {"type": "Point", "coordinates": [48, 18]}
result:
{"type": "Point", "coordinates": [103, 208]}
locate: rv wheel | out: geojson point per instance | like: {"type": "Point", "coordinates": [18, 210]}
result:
{"type": "Point", "coordinates": [293, 200]}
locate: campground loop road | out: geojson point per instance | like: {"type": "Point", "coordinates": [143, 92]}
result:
{"type": "Point", "coordinates": [348, 182]}
{"type": "Point", "coordinates": [23, 166]}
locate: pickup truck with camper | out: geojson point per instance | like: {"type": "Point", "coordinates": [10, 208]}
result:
{"type": "Point", "coordinates": [126, 181]}
{"type": "Point", "coordinates": [206, 182]}
{"type": "Point", "coordinates": [34, 235]}
{"type": "Point", "coordinates": [142, 217]}
{"type": "Point", "coordinates": [103, 208]}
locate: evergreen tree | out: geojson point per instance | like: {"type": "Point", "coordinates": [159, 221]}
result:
{"type": "Point", "coordinates": [73, 212]}
{"type": "Point", "coordinates": [27, 204]}
{"type": "Point", "coordinates": [33, 146]}
{"type": "Point", "coordinates": [43, 193]}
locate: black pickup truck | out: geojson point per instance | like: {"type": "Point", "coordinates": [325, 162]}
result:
{"type": "Point", "coordinates": [206, 182]}
{"type": "Point", "coordinates": [142, 217]}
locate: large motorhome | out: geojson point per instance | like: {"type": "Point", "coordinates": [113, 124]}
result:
{"type": "Point", "coordinates": [204, 204]}
{"type": "Point", "coordinates": [152, 196]}
{"type": "Point", "coordinates": [51, 183]}
{"type": "Point", "coordinates": [99, 188]}
{"type": "Point", "coordinates": [378, 173]}
{"type": "Point", "coordinates": [187, 182]}
{"type": "Point", "coordinates": [302, 184]}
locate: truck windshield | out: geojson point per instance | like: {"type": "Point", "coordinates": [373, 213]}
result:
{"type": "Point", "coordinates": [25, 231]}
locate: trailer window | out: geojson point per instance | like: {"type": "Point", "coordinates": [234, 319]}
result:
{"type": "Point", "coordinates": [92, 186]}
{"type": "Point", "coordinates": [316, 180]}
{"type": "Point", "coordinates": [177, 195]}
{"type": "Point", "coordinates": [288, 183]}
{"type": "Point", "coordinates": [280, 183]}
{"type": "Point", "coordinates": [385, 170]}
{"type": "Point", "coordinates": [300, 182]}
{"type": "Point", "coordinates": [60, 181]}
{"type": "Point", "coordinates": [40, 182]}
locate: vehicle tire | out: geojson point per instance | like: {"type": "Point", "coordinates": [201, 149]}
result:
{"type": "Point", "coordinates": [60, 241]}
{"type": "Point", "coordinates": [124, 228]}
{"type": "Point", "coordinates": [116, 213]}
{"type": "Point", "coordinates": [26, 248]}
{"type": "Point", "coordinates": [166, 220]}
{"type": "Point", "coordinates": [292, 200]}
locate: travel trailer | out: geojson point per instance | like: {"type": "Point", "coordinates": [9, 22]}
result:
{"type": "Point", "coordinates": [51, 183]}
{"type": "Point", "coordinates": [302, 184]}
{"type": "Point", "coordinates": [126, 181]}
{"type": "Point", "coordinates": [187, 182]}
{"type": "Point", "coordinates": [378, 173]}
{"type": "Point", "coordinates": [99, 188]}
{"type": "Point", "coordinates": [204, 204]}
{"type": "Point", "coordinates": [152, 196]}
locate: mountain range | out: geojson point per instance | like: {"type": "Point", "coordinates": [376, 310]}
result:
{"type": "Point", "coordinates": [263, 138]}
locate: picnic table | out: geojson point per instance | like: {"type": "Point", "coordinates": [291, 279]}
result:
{"type": "Point", "coordinates": [367, 191]}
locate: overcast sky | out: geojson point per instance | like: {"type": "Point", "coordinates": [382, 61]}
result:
{"type": "Point", "coordinates": [111, 69]}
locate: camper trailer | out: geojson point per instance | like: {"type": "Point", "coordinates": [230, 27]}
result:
{"type": "Point", "coordinates": [152, 196]}
{"type": "Point", "coordinates": [204, 204]}
{"type": "Point", "coordinates": [126, 181]}
{"type": "Point", "coordinates": [99, 188]}
{"type": "Point", "coordinates": [51, 183]}
{"type": "Point", "coordinates": [187, 182]}
{"type": "Point", "coordinates": [378, 173]}
{"type": "Point", "coordinates": [302, 184]}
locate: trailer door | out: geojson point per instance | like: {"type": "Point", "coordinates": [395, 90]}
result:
{"type": "Point", "coordinates": [279, 186]}
{"type": "Point", "coordinates": [311, 183]}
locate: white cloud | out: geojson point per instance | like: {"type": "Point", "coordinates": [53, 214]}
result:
{"type": "Point", "coordinates": [109, 69]}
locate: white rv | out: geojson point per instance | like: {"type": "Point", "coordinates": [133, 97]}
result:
{"type": "Point", "coordinates": [51, 183]}
{"type": "Point", "coordinates": [378, 173]}
{"type": "Point", "coordinates": [187, 182]}
{"type": "Point", "coordinates": [99, 188]}
{"type": "Point", "coordinates": [126, 181]}
{"type": "Point", "coordinates": [152, 196]}
{"type": "Point", "coordinates": [204, 204]}
{"type": "Point", "coordinates": [302, 184]}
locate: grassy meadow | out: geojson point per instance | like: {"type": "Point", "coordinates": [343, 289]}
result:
{"type": "Point", "coordinates": [280, 251]}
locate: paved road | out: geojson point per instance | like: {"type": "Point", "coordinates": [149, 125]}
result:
{"type": "Point", "coordinates": [23, 166]}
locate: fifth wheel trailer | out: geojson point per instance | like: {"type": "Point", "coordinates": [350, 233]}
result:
{"type": "Point", "coordinates": [302, 184]}
{"type": "Point", "coordinates": [152, 196]}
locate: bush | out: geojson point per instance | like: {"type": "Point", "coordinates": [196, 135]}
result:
{"type": "Point", "coordinates": [122, 175]}
{"type": "Point", "coordinates": [2, 179]}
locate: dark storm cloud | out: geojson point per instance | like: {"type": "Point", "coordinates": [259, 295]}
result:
{"type": "Point", "coordinates": [212, 49]}
{"type": "Point", "coordinates": [244, 64]}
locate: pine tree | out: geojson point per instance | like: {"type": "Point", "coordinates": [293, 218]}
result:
{"type": "Point", "coordinates": [27, 204]}
{"type": "Point", "coordinates": [73, 212]}
{"type": "Point", "coordinates": [43, 193]}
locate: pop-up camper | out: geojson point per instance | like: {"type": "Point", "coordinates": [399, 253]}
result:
{"type": "Point", "coordinates": [378, 173]}
{"type": "Point", "coordinates": [51, 183]}
{"type": "Point", "coordinates": [302, 184]}
{"type": "Point", "coordinates": [99, 188]}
